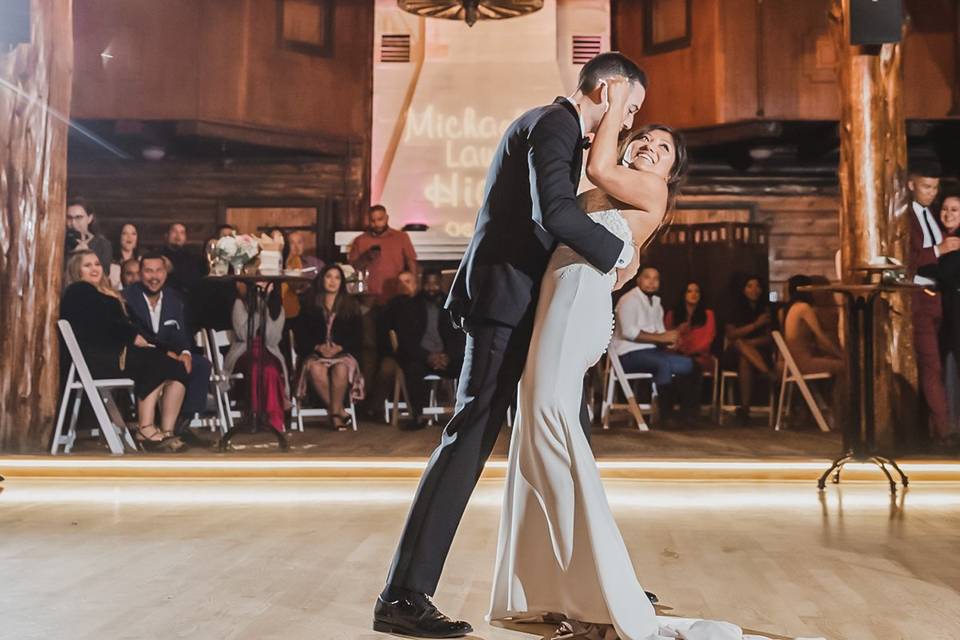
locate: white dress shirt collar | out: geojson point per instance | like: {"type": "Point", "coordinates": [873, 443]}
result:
{"type": "Point", "coordinates": [154, 311]}
{"type": "Point", "coordinates": [932, 236]}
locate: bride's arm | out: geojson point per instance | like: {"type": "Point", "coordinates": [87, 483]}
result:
{"type": "Point", "coordinates": [640, 189]}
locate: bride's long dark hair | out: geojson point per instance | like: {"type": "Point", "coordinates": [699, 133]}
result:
{"type": "Point", "coordinates": [676, 177]}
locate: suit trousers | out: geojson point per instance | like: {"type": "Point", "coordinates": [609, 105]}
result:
{"type": "Point", "coordinates": [417, 387]}
{"type": "Point", "coordinates": [493, 363]}
{"type": "Point", "coordinates": [927, 317]}
{"type": "Point", "coordinates": [198, 386]}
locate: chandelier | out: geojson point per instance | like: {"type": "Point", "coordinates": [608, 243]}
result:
{"type": "Point", "coordinates": [470, 10]}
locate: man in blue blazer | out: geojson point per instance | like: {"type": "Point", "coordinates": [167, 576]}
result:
{"type": "Point", "coordinates": [158, 312]}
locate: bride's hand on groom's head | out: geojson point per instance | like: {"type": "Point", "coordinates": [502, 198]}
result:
{"type": "Point", "coordinates": [615, 91]}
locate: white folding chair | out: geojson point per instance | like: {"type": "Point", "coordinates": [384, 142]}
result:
{"type": "Point", "coordinates": [725, 400]}
{"type": "Point", "coordinates": [99, 392]}
{"type": "Point", "coordinates": [615, 375]}
{"type": "Point", "coordinates": [222, 381]}
{"type": "Point", "coordinates": [298, 412]}
{"type": "Point", "coordinates": [393, 408]}
{"type": "Point", "coordinates": [714, 377]}
{"type": "Point", "coordinates": [793, 375]}
{"type": "Point", "coordinates": [197, 421]}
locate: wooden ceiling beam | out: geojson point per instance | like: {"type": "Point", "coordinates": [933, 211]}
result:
{"type": "Point", "coordinates": [269, 137]}
{"type": "Point", "coordinates": [736, 132]}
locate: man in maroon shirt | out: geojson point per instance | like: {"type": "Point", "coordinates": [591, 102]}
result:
{"type": "Point", "coordinates": [927, 243]}
{"type": "Point", "coordinates": [385, 253]}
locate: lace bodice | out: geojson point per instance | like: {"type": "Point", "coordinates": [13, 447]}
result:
{"type": "Point", "coordinates": [614, 222]}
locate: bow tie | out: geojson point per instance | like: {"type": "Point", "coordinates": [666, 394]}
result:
{"type": "Point", "coordinates": [585, 143]}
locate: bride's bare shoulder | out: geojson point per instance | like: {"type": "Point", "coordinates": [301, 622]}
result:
{"type": "Point", "coordinates": [595, 200]}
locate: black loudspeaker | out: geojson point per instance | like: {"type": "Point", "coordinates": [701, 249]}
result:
{"type": "Point", "coordinates": [875, 21]}
{"type": "Point", "coordinates": [14, 22]}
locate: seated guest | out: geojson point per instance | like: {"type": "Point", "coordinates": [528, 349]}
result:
{"type": "Point", "coordinates": [812, 349]}
{"type": "Point", "coordinates": [749, 343]}
{"type": "Point", "coordinates": [158, 313]}
{"type": "Point", "coordinates": [949, 279]}
{"type": "Point", "coordinates": [113, 348]}
{"type": "Point", "coordinates": [188, 267]}
{"type": "Point", "coordinates": [128, 248]}
{"type": "Point", "coordinates": [225, 230]}
{"type": "Point", "coordinates": [81, 235]}
{"type": "Point", "coordinates": [130, 272]}
{"type": "Point", "coordinates": [328, 338]}
{"type": "Point", "coordinates": [263, 362]}
{"type": "Point", "coordinates": [298, 259]}
{"type": "Point", "coordinates": [427, 341]}
{"type": "Point", "coordinates": [695, 325]}
{"type": "Point", "coordinates": [644, 345]}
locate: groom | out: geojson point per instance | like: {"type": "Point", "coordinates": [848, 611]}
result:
{"type": "Point", "coordinates": [529, 206]}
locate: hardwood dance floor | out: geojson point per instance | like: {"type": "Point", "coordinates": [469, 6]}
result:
{"type": "Point", "coordinates": [293, 560]}
{"type": "Point", "coordinates": [376, 439]}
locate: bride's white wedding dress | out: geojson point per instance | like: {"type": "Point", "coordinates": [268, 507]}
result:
{"type": "Point", "coordinates": [560, 550]}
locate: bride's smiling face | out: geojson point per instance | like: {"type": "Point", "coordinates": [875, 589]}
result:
{"type": "Point", "coordinates": [654, 151]}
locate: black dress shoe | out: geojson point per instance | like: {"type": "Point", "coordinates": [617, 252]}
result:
{"type": "Point", "coordinates": [416, 616]}
{"type": "Point", "coordinates": [652, 597]}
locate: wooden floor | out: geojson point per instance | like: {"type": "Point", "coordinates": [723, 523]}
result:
{"type": "Point", "coordinates": [264, 560]}
{"type": "Point", "coordinates": [376, 439]}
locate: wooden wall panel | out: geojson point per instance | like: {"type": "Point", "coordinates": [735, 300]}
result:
{"type": "Point", "coordinates": [154, 69]}
{"type": "Point", "coordinates": [714, 81]}
{"type": "Point", "coordinates": [804, 231]}
{"type": "Point", "coordinates": [684, 84]}
{"type": "Point", "coordinates": [799, 60]}
{"type": "Point", "coordinates": [222, 61]}
{"type": "Point", "coordinates": [153, 195]}
{"type": "Point", "coordinates": [738, 53]}
{"type": "Point", "coordinates": [272, 86]}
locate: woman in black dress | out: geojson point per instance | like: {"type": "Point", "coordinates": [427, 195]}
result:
{"type": "Point", "coordinates": [948, 275]}
{"type": "Point", "coordinates": [112, 348]}
{"type": "Point", "coordinates": [328, 338]}
{"type": "Point", "coordinates": [749, 341]}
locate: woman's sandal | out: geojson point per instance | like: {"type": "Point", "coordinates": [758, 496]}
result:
{"type": "Point", "coordinates": [345, 421]}
{"type": "Point", "coordinates": [146, 436]}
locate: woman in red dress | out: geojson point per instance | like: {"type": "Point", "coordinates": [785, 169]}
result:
{"type": "Point", "coordinates": [696, 326]}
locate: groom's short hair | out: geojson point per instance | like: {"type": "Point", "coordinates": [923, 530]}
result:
{"type": "Point", "coordinates": [609, 65]}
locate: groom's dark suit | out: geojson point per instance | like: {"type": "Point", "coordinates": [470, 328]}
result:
{"type": "Point", "coordinates": [529, 205]}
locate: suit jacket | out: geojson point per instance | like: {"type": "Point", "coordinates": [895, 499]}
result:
{"type": "Point", "coordinates": [922, 261]}
{"type": "Point", "coordinates": [172, 335]}
{"type": "Point", "coordinates": [408, 317]}
{"type": "Point", "coordinates": [530, 203]}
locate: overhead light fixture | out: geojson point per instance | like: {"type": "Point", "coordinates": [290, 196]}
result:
{"type": "Point", "coordinates": [470, 10]}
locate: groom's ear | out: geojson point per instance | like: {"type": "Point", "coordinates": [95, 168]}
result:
{"type": "Point", "coordinates": [596, 96]}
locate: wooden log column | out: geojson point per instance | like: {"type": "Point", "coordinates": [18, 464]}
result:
{"type": "Point", "coordinates": [873, 206]}
{"type": "Point", "coordinates": [35, 87]}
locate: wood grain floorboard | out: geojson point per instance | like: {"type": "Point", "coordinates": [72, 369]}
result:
{"type": "Point", "coordinates": [292, 560]}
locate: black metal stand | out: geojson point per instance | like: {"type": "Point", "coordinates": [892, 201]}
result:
{"type": "Point", "coordinates": [859, 436]}
{"type": "Point", "coordinates": [256, 305]}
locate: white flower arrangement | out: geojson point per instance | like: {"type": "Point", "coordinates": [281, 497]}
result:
{"type": "Point", "coordinates": [237, 250]}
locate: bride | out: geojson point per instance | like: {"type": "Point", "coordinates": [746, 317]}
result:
{"type": "Point", "coordinates": [560, 553]}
